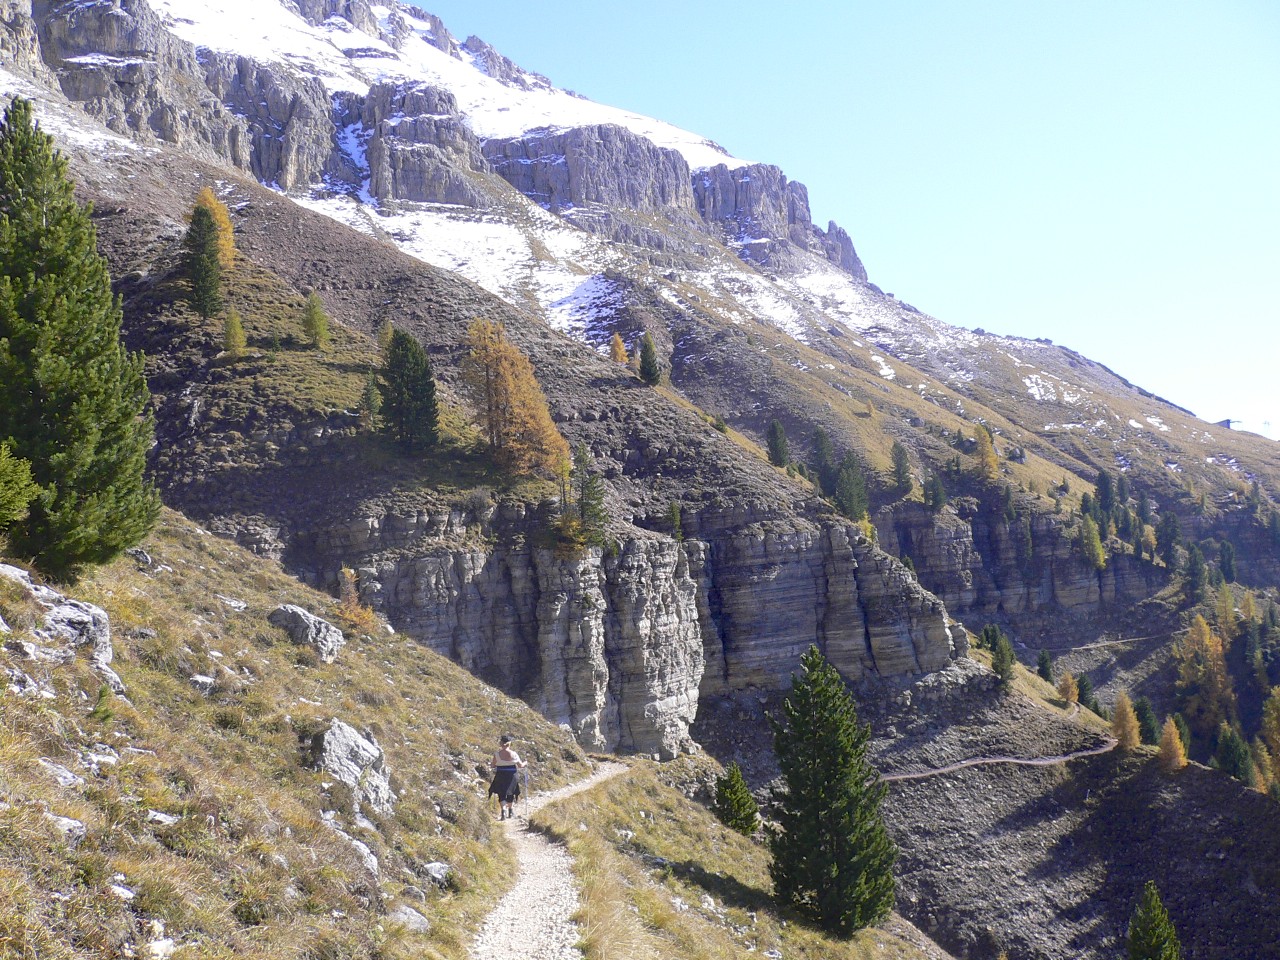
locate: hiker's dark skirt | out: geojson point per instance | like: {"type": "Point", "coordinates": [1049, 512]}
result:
{"type": "Point", "coordinates": [506, 784]}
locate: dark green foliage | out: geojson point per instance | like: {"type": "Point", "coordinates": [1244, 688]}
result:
{"type": "Point", "coordinates": [825, 468]}
{"type": "Point", "coordinates": [1007, 508]}
{"type": "Point", "coordinates": [1197, 575]}
{"type": "Point", "coordinates": [1147, 723]}
{"type": "Point", "coordinates": [588, 491]}
{"type": "Point", "coordinates": [901, 469]}
{"type": "Point", "coordinates": [1232, 755]}
{"type": "Point", "coordinates": [650, 371]}
{"type": "Point", "coordinates": [719, 424]}
{"type": "Point", "coordinates": [1122, 489]}
{"type": "Point", "coordinates": [1151, 932]}
{"type": "Point", "coordinates": [734, 805]}
{"type": "Point", "coordinates": [1184, 731]}
{"type": "Point", "coordinates": [935, 494]}
{"type": "Point", "coordinates": [1106, 493]}
{"type": "Point", "coordinates": [677, 527]}
{"type": "Point", "coordinates": [1227, 561]}
{"type": "Point", "coordinates": [832, 857]}
{"type": "Point", "coordinates": [908, 562]}
{"type": "Point", "coordinates": [1168, 538]}
{"type": "Point", "coordinates": [1044, 666]}
{"type": "Point", "coordinates": [17, 489]}
{"type": "Point", "coordinates": [1087, 506]}
{"type": "Point", "coordinates": [1002, 660]}
{"type": "Point", "coordinates": [200, 261]}
{"type": "Point", "coordinates": [410, 414]}
{"type": "Point", "coordinates": [851, 489]}
{"type": "Point", "coordinates": [1273, 527]}
{"type": "Point", "coordinates": [1087, 698]}
{"type": "Point", "coordinates": [779, 452]}
{"type": "Point", "coordinates": [72, 401]}
{"type": "Point", "coordinates": [370, 403]}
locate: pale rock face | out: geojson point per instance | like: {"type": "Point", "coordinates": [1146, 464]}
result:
{"type": "Point", "coordinates": [308, 630]}
{"type": "Point", "coordinates": [355, 760]}
{"type": "Point", "coordinates": [66, 626]}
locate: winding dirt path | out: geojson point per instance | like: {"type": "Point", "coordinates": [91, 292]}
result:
{"type": "Point", "coordinates": [534, 920]}
{"type": "Point", "coordinates": [1014, 761]}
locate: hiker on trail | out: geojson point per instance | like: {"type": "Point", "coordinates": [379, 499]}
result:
{"type": "Point", "coordinates": [506, 777]}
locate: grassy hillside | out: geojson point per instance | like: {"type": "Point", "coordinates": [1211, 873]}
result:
{"type": "Point", "coordinates": [206, 807]}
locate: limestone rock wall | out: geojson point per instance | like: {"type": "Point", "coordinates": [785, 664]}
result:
{"type": "Point", "coordinates": [1027, 573]}
{"type": "Point", "coordinates": [604, 164]}
{"type": "Point", "coordinates": [621, 646]}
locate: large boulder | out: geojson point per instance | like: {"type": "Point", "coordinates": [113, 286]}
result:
{"type": "Point", "coordinates": [308, 630]}
{"type": "Point", "coordinates": [355, 760]}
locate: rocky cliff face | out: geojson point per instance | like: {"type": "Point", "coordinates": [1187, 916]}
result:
{"type": "Point", "coordinates": [1026, 572]}
{"type": "Point", "coordinates": [760, 209]}
{"type": "Point", "coordinates": [621, 646]}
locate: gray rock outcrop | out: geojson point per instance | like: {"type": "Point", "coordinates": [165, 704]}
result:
{"type": "Point", "coordinates": [356, 761]}
{"type": "Point", "coordinates": [65, 626]}
{"type": "Point", "coordinates": [605, 164]}
{"type": "Point", "coordinates": [308, 630]}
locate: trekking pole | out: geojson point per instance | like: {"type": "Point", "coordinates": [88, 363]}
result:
{"type": "Point", "coordinates": [526, 794]}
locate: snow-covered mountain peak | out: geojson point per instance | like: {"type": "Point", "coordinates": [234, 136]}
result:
{"type": "Point", "coordinates": [398, 43]}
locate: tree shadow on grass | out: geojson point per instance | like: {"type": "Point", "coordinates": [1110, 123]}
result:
{"type": "Point", "coordinates": [725, 888]}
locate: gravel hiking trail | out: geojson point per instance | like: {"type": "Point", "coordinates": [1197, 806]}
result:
{"type": "Point", "coordinates": [534, 920]}
{"type": "Point", "coordinates": [1015, 761]}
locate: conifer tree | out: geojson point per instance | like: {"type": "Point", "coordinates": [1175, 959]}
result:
{"type": "Point", "coordinates": [1203, 683]}
{"type": "Point", "coordinates": [1151, 932]}
{"type": "Point", "coordinates": [1148, 726]}
{"type": "Point", "coordinates": [72, 401]}
{"type": "Point", "coordinates": [1087, 699]}
{"type": "Point", "coordinates": [1168, 538]}
{"type": "Point", "coordinates": [1232, 755]}
{"type": "Point", "coordinates": [851, 489]}
{"type": "Point", "coordinates": [589, 494]}
{"type": "Point", "coordinates": [370, 403]}
{"type": "Point", "coordinates": [1002, 661]}
{"type": "Point", "coordinates": [734, 805]}
{"type": "Point", "coordinates": [1044, 666]}
{"type": "Point", "coordinates": [17, 489]}
{"type": "Point", "coordinates": [315, 322]}
{"type": "Point", "coordinates": [832, 856]}
{"type": "Point", "coordinates": [1270, 732]}
{"type": "Point", "coordinates": [618, 350]}
{"type": "Point", "coordinates": [410, 414]}
{"type": "Point", "coordinates": [1173, 752]}
{"type": "Point", "coordinates": [200, 261]}
{"type": "Point", "coordinates": [226, 242]}
{"type": "Point", "coordinates": [988, 462]}
{"type": "Point", "coordinates": [935, 494]}
{"type": "Point", "coordinates": [1227, 561]}
{"type": "Point", "coordinates": [779, 453]}
{"type": "Point", "coordinates": [1091, 544]}
{"type": "Point", "coordinates": [1068, 688]}
{"type": "Point", "coordinates": [1124, 723]}
{"type": "Point", "coordinates": [513, 409]}
{"type": "Point", "coordinates": [650, 371]}
{"type": "Point", "coordinates": [901, 468]}
{"type": "Point", "coordinates": [233, 338]}
{"type": "Point", "coordinates": [385, 331]}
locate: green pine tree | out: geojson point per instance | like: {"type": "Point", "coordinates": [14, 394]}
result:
{"type": "Point", "coordinates": [315, 322]}
{"type": "Point", "coordinates": [650, 371]}
{"type": "Point", "coordinates": [72, 401]}
{"type": "Point", "coordinates": [901, 469]}
{"type": "Point", "coordinates": [1044, 666]}
{"type": "Point", "coordinates": [201, 263]}
{"type": "Point", "coordinates": [832, 857]}
{"type": "Point", "coordinates": [17, 489]}
{"type": "Point", "coordinates": [1091, 544]}
{"type": "Point", "coordinates": [370, 403]}
{"type": "Point", "coordinates": [851, 489]}
{"type": "Point", "coordinates": [1147, 722]}
{"type": "Point", "coordinates": [410, 415]}
{"type": "Point", "coordinates": [589, 493]}
{"type": "Point", "coordinates": [1002, 661]}
{"type": "Point", "coordinates": [779, 453]}
{"type": "Point", "coordinates": [734, 805]}
{"type": "Point", "coordinates": [935, 494]}
{"type": "Point", "coordinates": [1151, 932]}
{"type": "Point", "coordinates": [825, 467]}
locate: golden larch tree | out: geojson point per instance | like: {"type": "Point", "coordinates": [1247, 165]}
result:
{"type": "Point", "coordinates": [222, 220]}
{"type": "Point", "coordinates": [1173, 755]}
{"type": "Point", "coordinates": [618, 350]}
{"type": "Point", "coordinates": [1068, 689]}
{"type": "Point", "coordinates": [1124, 723]}
{"type": "Point", "coordinates": [1203, 683]}
{"type": "Point", "coordinates": [512, 407]}
{"type": "Point", "coordinates": [988, 462]}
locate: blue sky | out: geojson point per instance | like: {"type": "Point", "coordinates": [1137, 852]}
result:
{"type": "Point", "coordinates": [1104, 174]}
